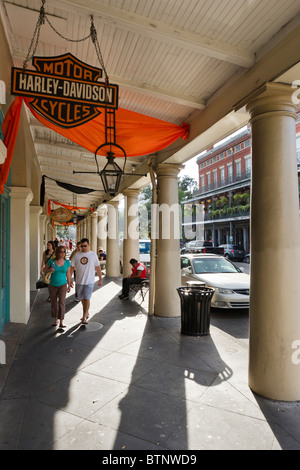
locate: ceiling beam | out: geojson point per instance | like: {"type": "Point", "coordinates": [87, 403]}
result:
{"type": "Point", "coordinates": [184, 39]}
{"type": "Point", "coordinates": [145, 89]}
{"type": "Point", "coordinates": [142, 88]}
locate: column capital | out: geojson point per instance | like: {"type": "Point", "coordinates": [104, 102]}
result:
{"type": "Point", "coordinates": [168, 169]}
{"type": "Point", "coordinates": [113, 203]}
{"type": "Point", "coordinates": [269, 99]}
{"type": "Point", "coordinates": [21, 192]}
{"type": "Point", "coordinates": [131, 192]}
{"type": "Point", "coordinates": [35, 209]}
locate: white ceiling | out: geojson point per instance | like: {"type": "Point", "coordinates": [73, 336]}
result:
{"type": "Point", "coordinates": [175, 60]}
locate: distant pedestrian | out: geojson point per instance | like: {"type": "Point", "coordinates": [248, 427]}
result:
{"type": "Point", "coordinates": [60, 284]}
{"type": "Point", "coordinates": [48, 254]}
{"type": "Point", "coordinates": [85, 264]}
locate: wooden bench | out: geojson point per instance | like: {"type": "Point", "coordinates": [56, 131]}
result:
{"type": "Point", "coordinates": [142, 288]}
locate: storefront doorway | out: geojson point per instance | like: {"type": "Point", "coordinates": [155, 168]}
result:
{"type": "Point", "coordinates": [4, 257]}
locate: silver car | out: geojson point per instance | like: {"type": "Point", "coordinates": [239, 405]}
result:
{"type": "Point", "coordinates": [230, 283]}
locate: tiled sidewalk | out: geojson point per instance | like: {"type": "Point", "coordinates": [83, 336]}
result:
{"type": "Point", "coordinates": [130, 381]}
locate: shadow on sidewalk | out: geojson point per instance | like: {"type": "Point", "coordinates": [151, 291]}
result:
{"type": "Point", "coordinates": [124, 381]}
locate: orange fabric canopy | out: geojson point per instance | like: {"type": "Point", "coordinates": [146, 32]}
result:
{"type": "Point", "coordinates": [10, 128]}
{"type": "Point", "coordinates": [137, 134]}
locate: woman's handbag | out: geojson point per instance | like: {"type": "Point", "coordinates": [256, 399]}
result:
{"type": "Point", "coordinates": [44, 280]}
{"type": "Point", "coordinates": [47, 278]}
{"type": "Point", "coordinates": [40, 284]}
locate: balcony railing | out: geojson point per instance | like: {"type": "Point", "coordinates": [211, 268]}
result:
{"type": "Point", "coordinates": [245, 175]}
{"type": "Point", "coordinates": [223, 214]}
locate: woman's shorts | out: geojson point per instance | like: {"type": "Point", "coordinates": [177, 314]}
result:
{"type": "Point", "coordinates": [84, 291]}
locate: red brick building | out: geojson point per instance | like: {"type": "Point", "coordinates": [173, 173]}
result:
{"type": "Point", "coordinates": [224, 174]}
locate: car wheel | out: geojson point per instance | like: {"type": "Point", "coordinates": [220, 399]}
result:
{"type": "Point", "coordinates": [226, 256]}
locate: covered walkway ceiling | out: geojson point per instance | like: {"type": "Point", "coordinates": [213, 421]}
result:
{"type": "Point", "coordinates": [175, 60]}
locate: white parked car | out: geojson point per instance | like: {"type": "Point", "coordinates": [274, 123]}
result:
{"type": "Point", "coordinates": [230, 283]}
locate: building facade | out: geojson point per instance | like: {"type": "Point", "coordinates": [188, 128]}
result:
{"type": "Point", "coordinates": [223, 198]}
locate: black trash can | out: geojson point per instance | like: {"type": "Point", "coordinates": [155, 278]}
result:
{"type": "Point", "coordinates": [195, 309]}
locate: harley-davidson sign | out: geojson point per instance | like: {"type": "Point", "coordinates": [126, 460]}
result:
{"type": "Point", "coordinates": [66, 91]}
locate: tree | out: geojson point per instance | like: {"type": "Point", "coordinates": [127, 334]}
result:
{"type": "Point", "coordinates": [186, 187]}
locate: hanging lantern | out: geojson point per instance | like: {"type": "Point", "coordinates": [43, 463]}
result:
{"type": "Point", "coordinates": [111, 175]}
{"type": "Point", "coordinates": [75, 218]}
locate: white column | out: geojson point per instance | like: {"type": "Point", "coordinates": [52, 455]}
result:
{"type": "Point", "coordinates": [20, 254]}
{"type": "Point", "coordinates": [93, 242]}
{"type": "Point", "coordinates": [35, 259]}
{"type": "Point", "coordinates": [43, 240]}
{"type": "Point", "coordinates": [131, 229]}
{"type": "Point", "coordinates": [113, 252]}
{"type": "Point", "coordinates": [102, 227]}
{"type": "Point", "coordinates": [88, 227]}
{"type": "Point", "coordinates": [168, 277]}
{"type": "Point", "coordinates": [84, 228]}
{"type": "Point", "coordinates": [275, 246]}
{"type": "Point", "coordinates": [79, 231]}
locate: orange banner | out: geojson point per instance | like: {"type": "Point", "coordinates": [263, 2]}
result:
{"type": "Point", "coordinates": [10, 128]}
{"type": "Point", "coordinates": [136, 133]}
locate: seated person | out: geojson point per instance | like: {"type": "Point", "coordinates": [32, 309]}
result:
{"type": "Point", "coordinates": [137, 277]}
{"type": "Point", "coordinates": [102, 256]}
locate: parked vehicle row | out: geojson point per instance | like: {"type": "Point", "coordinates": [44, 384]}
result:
{"type": "Point", "coordinates": [230, 251]}
{"type": "Point", "coordinates": [231, 285]}
{"type": "Point", "coordinates": [198, 246]}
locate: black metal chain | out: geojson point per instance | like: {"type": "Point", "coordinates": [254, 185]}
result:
{"type": "Point", "coordinates": [36, 35]}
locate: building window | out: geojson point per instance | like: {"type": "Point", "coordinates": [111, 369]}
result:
{"type": "Point", "coordinates": [221, 156]}
{"type": "Point", "coordinates": [230, 173]}
{"type": "Point", "coordinates": [247, 143]}
{"type": "Point", "coordinates": [222, 175]}
{"type": "Point", "coordinates": [215, 178]}
{"type": "Point", "coordinates": [238, 168]}
{"type": "Point", "coordinates": [248, 166]}
{"type": "Point", "coordinates": [237, 148]}
{"type": "Point", "coordinates": [202, 181]}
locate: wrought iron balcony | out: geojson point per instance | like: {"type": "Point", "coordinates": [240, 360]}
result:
{"type": "Point", "coordinates": [236, 178]}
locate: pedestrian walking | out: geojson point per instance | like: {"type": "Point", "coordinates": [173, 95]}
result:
{"type": "Point", "coordinates": [77, 250]}
{"type": "Point", "coordinates": [60, 284]}
{"type": "Point", "coordinates": [85, 263]}
{"type": "Point", "coordinates": [47, 255]}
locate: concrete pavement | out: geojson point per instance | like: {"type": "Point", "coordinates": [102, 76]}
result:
{"type": "Point", "coordinates": [127, 381]}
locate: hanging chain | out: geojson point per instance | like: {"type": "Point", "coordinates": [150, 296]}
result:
{"type": "Point", "coordinates": [61, 35]}
{"type": "Point", "coordinates": [36, 35]}
{"type": "Point", "coordinates": [94, 38]}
